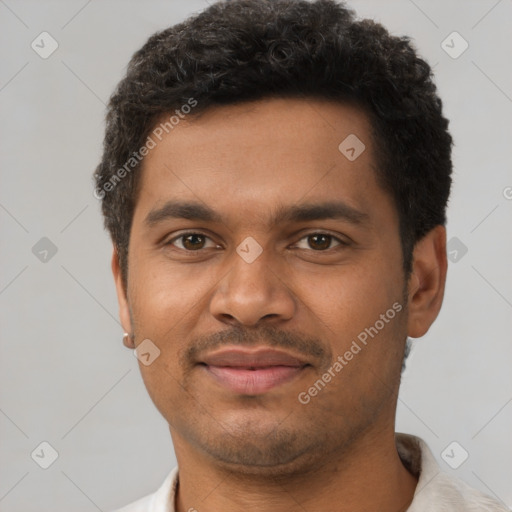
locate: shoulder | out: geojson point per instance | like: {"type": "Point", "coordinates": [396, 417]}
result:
{"type": "Point", "coordinates": [160, 501]}
{"type": "Point", "coordinates": [437, 490]}
{"type": "Point", "coordinates": [140, 505]}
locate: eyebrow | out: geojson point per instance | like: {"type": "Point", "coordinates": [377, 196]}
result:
{"type": "Point", "coordinates": [296, 213]}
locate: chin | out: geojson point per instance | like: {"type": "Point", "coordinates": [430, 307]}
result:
{"type": "Point", "coordinates": [265, 452]}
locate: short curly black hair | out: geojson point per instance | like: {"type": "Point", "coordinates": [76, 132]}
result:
{"type": "Point", "coordinates": [245, 50]}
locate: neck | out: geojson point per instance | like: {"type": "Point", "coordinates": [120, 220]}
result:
{"type": "Point", "coordinates": [369, 476]}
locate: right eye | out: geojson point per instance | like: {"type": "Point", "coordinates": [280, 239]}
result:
{"type": "Point", "coordinates": [191, 241]}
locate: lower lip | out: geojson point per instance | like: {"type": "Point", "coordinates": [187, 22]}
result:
{"type": "Point", "coordinates": [253, 382]}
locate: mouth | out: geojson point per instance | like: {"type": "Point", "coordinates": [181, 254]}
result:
{"type": "Point", "coordinates": [253, 381]}
{"type": "Point", "coordinates": [252, 372]}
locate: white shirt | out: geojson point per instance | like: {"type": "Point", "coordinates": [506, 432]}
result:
{"type": "Point", "coordinates": [436, 491]}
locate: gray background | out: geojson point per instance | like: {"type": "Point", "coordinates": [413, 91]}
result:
{"type": "Point", "coordinates": [66, 378]}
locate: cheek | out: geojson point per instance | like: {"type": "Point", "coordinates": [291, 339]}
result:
{"type": "Point", "coordinates": [361, 312]}
{"type": "Point", "coordinates": [163, 294]}
{"type": "Point", "coordinates": [352, 297]}
{"type": "Point", "coordinates": [165, 304]}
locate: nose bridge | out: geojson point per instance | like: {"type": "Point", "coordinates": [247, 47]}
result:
{"type": "Point", "coordinates": [251, 290]}
{"type": "Point", "coordinates": [251, 274]}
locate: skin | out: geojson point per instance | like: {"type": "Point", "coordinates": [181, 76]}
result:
{"type": "Point", "coordinates": [308, 295]}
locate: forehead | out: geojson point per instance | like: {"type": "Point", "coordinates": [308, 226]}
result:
{"type": "Point", "coordinates": [245, 159]}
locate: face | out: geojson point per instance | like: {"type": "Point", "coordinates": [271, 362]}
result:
{"type": "Point", "coordinates": [266, 267]}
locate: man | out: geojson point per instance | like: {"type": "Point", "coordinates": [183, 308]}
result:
{"type": "Point", "coordinates": [275, 178]}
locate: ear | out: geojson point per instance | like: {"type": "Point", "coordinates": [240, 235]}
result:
{"type": "Point", "coordinates": [122, 299]}
{"type": "Point", "coordinates": [427, 281]}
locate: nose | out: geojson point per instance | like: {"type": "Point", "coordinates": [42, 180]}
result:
{"type": "Point", "coordinates": [252, 293]}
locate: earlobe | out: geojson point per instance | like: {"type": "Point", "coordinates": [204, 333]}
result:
{"type": "Point", "coordinates": [122, 299]}
{"type": "Point", "coordinates": [128, 340]}
{"type": "Point", "coordinates": [427, 281]}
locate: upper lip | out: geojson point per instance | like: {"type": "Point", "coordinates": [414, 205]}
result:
{"type": "Point", "coordinates": [256, 357]}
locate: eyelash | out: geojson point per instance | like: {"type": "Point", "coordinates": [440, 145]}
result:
{"type": "Point", "coordinates": [183, 235]}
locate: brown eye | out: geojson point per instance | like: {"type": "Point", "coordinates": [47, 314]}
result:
{"type": "Point", "coordinates": [319, 242]}
{"type": "Point", "coordinates": [192, 242]}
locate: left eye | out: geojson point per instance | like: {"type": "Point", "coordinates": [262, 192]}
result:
{"type": "Point", "coordinates": [319, 241]}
